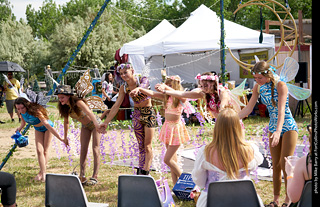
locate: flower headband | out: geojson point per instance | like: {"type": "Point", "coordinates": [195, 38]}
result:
{"type": "Point", "coordinates": [271, 68]}
{"type": "Point", "coordinates": [123, 66]}
{"type": "Point", "coordinates": [174, 77]}
{"type": "Point", "coordinates": [207, 77]}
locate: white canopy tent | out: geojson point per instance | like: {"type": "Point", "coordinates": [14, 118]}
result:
{"type": "Point", "coordinates": [194, 47]}
{"type": "Point", "coordinates": [135, 48]}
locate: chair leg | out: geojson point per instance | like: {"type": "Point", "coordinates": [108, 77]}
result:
{"type": "Point", "coordinates": [139, 171]}
{"type": "Point", "coordinates": [144, 172]}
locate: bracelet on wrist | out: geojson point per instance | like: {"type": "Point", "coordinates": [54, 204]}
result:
{"type": "Point", "coordinates": [289, 177]}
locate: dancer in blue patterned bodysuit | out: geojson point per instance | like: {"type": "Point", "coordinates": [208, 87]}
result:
{"type": "Point", "coordinates": [283, 130]}
{"type": "Point", "coordinates": [289, 123]}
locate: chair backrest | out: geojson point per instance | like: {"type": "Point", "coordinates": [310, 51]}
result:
{"type": "Point", "coordinates": [232, 193]}
{"type": "Point", "coordinates": [64, 190]}
{"type": "Point", "coordinates": [306, 196]}
{"type": "Point", "coordinates": [138, 190]}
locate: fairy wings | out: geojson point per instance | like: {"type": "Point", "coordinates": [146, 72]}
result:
{"type": "Point", "coordinates": [288, 73]}
{"type": "Point", "coordinates": [84, 87]}
{"type": "Point", "coordinates": [39, 98]}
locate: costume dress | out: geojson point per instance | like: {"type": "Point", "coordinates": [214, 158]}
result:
{"type": "Point", "coordinates": [141, 117]}
{"type": "Point", "coordinates": [205, 173]}
{"type": "Point", "coordinates": [34, 121]}
{"type": "Point", "coordinates": [289, 123]}
{"type": "Point", "coordinates": [173, 132]}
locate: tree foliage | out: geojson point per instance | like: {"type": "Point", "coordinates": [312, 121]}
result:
{"type": "Point", "coordinates": [5, 10]}
{"type": "Point", "coordinates": [52, 32]}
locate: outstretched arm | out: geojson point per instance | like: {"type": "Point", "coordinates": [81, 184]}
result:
{"type": "Point", "coordinates": [23, 123]}
{"type": "Point", "coordinates": [153, 94]}
{"type": "Point", "coordinates": [179, 94]}
{"type": "Point", "coordinates": [52, 130]}
{"type": "Point", "coordinates": [249, 107]}
{"type": "Point", "coordinates": [114, 110]}
{"type": "Point", "coordinates": [66, 127]}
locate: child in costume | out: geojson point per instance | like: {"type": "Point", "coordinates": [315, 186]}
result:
{"type": "Point", "coordinates": [216, 96]}
{"type": "Point", "coordinates": [173, 132]}
{"type": "Point", "coordinates": [143, 117]}
{"type": "Point", "coordinates": [228, 157]}
{"type": "Point", "coordinates": [77, 108]}
{"type": "Point", "coordinates": [283, 131]}
{"type": "Point", "coordinates": [37, 115]}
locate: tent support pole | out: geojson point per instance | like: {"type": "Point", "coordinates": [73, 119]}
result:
{"type": "Point", "coordinates": [222, 45]}
{"type": "Point", "coordinates": [84, 38]}
{"type": "Point", "coordinates": [164, 64]}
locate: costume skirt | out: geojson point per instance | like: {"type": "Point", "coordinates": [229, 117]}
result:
{"type": "Point", "coordinates": [173, 133]}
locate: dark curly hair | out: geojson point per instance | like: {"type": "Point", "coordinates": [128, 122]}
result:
{"type": "Point", "coordinates": [33, 109]}
{"type": "Point", "coordinates": [215, 91]}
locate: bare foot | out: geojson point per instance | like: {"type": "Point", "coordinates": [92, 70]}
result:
{"type": "Point", "coordinates": [38, 177]}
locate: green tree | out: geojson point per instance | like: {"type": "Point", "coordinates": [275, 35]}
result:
{"type": "Point", "coordinates": [15, 42]}
{"type": "Point", "coordinates": [5, 10]}
{"type": "Point", "coordinates": [99, 49]}
{"type": "Point", "coordinates": [44, 20]}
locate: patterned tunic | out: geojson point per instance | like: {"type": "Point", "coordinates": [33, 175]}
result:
{"type": "Point", "coordinates": [289, 123]}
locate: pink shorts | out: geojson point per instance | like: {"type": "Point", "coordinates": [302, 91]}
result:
{"type": "Point", "coordinates": [173, 133]}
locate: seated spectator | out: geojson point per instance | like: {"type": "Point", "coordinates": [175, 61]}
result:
{"type": "Point", "coordinates": [228, 157]}
{"type": "Point", "coordinates": [9, 189]}
{"type": "Point", "coordinates": [299, 174]}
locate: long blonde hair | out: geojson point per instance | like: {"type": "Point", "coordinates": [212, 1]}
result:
{"type": "Point", "coordinates": [176, 85]}
{"type": "Point", "coordinates": [229, 143]}
{"type": "Point", "coordinates": [262, 68]}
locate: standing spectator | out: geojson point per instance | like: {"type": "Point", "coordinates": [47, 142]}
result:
{"type": "Point", "coordinates": [108, 92]}
{"type": "Point", "coordinates": [96, 72]}
{"type": "Point", "coordinates": [107, 86]}
{"type": "Point", "coordinates": [1, 100]}
{"type": "Point", "coordinates": [11, 94]}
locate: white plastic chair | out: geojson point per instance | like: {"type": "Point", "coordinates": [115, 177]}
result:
{"type": "Point", "coordinates": [66, 191]}
{"type": "Point", "coordinates": [138, 190]}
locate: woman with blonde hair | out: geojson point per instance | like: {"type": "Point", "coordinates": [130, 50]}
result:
{"type": "Point", "coordinates": [283, 130]}
{"type": "Point", "coordinates": [228, 157]}
{"type": "Point", "coordinates": [173, 132]}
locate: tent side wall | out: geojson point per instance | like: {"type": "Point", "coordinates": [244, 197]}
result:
{"type": "Point", "coordinates": [187, 66]}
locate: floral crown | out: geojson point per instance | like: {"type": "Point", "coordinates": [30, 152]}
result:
{"type": "Point", "coordinates": [174, 77]}
{"type": "Point", "coordinates": [124, 66]}
{"type": "Point", "coordinates": [207, 77]}
{"type": "Point", "coordinates": [271, 68]}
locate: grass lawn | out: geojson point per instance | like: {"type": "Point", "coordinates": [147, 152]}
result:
{"type": "Point", "coordinates": [31, 193]}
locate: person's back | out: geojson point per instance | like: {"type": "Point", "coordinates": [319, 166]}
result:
{"type": "Point", "coordinates": [227, 157]}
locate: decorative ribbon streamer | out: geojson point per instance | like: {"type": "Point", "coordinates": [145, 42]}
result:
{"type": "Point", "coordinates": [64, 71]}
{"type": "Point", "coordinates": [84, 38]}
